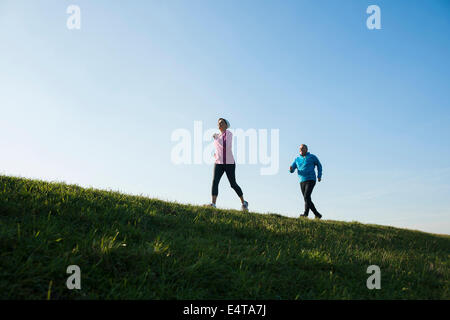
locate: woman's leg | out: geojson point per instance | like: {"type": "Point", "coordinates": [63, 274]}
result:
{"type": "Point", "coordinates": [218, 172]}
{"type": "Point", "coordinates": [230, 170]}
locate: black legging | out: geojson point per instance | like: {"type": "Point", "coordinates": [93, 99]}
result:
{"type": "Point", "coordinates": [230, 169]}
{"type": "Point", "coordinates": [307, 188]}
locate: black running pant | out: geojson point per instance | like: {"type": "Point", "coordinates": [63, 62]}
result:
{"type": "Point", "coordinates": [229, 169]}
{"type": "Point", "coordinates": [307, 188]}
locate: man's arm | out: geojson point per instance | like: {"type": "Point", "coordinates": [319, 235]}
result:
{"type": "Point", "coordinates": [319, 169]}
{"type": "Point", "coordinates": [293, 166]}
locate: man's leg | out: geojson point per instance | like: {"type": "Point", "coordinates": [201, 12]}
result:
{"type": "Point", "coordinates": [303, 188]}
{"type": "Point", "coordinates": [309, 186]}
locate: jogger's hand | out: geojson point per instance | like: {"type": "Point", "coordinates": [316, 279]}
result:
{"type": "Point", "coordinates": [319, 179]}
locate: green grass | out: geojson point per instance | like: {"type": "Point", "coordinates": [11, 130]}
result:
{"type": "Point", "coordinates": [134, 247]}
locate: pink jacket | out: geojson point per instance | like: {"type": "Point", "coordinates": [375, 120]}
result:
{"type": "Point", "coordinates": [220, 140]}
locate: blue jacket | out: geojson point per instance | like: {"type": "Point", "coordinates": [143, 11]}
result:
{"type": "Point", "coordinates": [305, 167]}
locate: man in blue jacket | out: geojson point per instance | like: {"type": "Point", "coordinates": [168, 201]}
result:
{"type": "Point", "coordinates": [305, 165]}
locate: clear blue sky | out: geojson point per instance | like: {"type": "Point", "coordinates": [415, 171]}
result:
{"type": "Point", "coordinates": [97, 106]}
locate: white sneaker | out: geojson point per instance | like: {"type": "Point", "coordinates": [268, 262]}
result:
{"type": "Point", "coordinates": [245, 206]}
{"type": "Point", "coordinates": [212, 205]}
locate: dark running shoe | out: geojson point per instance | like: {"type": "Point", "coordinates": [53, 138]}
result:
{"type": "Point", "coordinates": [318, 216]}
{"type": "Point", "coordinates": [303, 216]}
{"type": "Point", "coordinates": [245, 206]}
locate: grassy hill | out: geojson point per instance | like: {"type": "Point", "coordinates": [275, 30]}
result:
{"type": "Point", "coordinates": [133, 247]}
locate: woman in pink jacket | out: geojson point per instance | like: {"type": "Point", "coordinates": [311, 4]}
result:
{"type": "Point", "coordinates": [225, 163]}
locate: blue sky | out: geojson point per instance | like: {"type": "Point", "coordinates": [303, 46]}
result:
{"type": "Point", "coordinates": [97, 106]}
